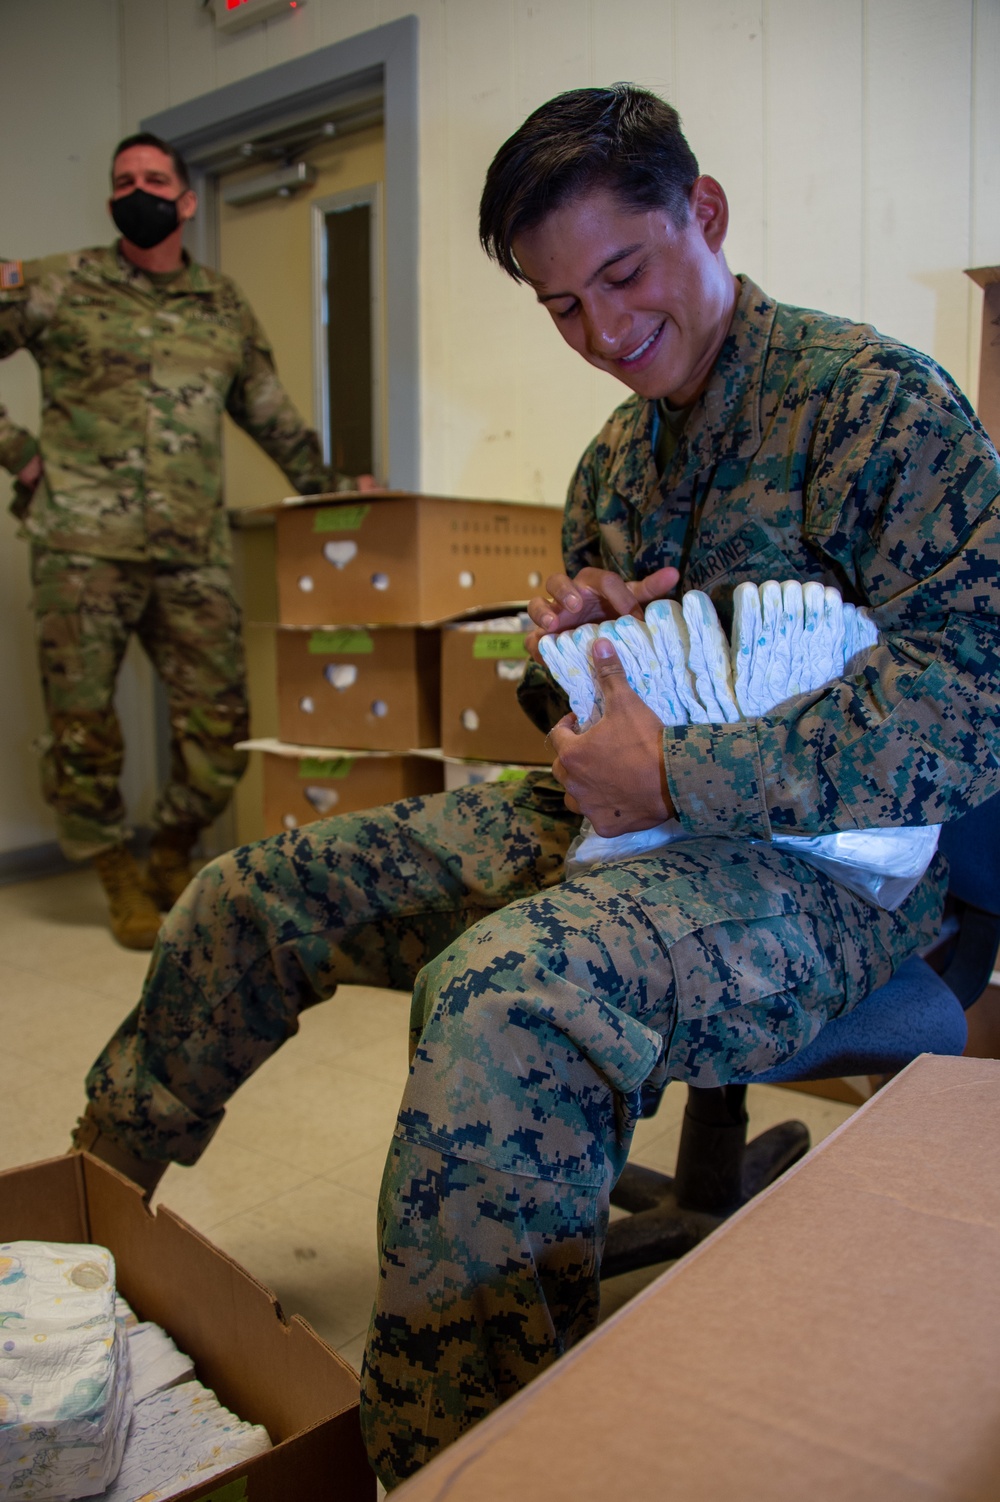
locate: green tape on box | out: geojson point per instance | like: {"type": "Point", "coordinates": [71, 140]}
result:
{"type": "Point", "coordinates": [323, 643]}
{"type": "Point", "coordinates": [233, 1491]}
{"type": "Point", "coordinates": [325, 766]}
{"type": "Point", "coordinates": [512, 774]}
{"type": "Point", "coordinates": [499, 644]}
{"type": "Point", "coordinates": [339, 518]}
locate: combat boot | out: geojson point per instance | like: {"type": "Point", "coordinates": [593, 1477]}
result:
{"type": "Point", "coordinates": [134, 918]}
{"type": "Point", "coordinates": [89, 1138]}
{"type": "Point", "coordinates": [168, 869]}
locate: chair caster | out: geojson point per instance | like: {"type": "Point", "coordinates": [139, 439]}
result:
{"type": "Point", "coordinates": [717, 1172]}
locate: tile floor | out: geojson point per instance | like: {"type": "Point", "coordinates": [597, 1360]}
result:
{"type": "Point", "coordinates": [289, 1185]}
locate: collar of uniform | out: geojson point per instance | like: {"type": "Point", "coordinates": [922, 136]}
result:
{"type": "Point", "coordinates": [728, 425]}
{"type": "Point", "coordinates": [724, 422]}
{"type": "Point", "coordinates": [119, 269]}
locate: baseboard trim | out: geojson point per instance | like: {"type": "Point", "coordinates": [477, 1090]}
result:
{"type": "Point", "coordinates": [32, 862]}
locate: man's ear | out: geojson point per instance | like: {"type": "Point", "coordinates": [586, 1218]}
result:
{"type": "Point", "coordinates": [187, 205]}
{"type": "Point", "coordinates": [710, 209]}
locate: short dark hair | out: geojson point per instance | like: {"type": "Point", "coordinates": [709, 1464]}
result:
{"type": "Point", "coordinates": [622, 138]}
{"type": "Point", "coordinates": [146, 138]}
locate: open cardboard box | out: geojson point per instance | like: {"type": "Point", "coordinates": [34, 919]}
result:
{"type": "Point", "coordinates": [838, 1340]}
{"type": "Point", "coordinates": [305, 783]}
{"type": "Point", "coordinates": [266, 1370]}
{"type": "Point", "coordinates": [481, 718]}
{"type": "Point", "coordinates": [394, 558]}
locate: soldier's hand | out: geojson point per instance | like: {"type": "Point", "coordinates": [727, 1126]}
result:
{"type": "Point", "coordinates": [367, 482]}
{"type": "Point", "coordinates": [613, 774]}
{"type": "Point", "coordinates": [30, 475]}
{"type": "Point", "coordinates": [596, 594]}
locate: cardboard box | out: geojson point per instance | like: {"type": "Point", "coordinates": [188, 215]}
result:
{"type": "Point", "coordinates": [465, 774]}
{"type": "Point", "coordinates": [398, 559]}
{"type": "Point", "coordinates": [480, 716]}
{"type": "Point", "coordinates": [375, 688]}
{"type": "Point", "coordinates": [837, 1339]}
{"type": "Point", "coordinates": [268, 1371]}
{"type": "Point", "coordinates": [304, 783]}
{"type": "Point", "coordinates": [988, 402]}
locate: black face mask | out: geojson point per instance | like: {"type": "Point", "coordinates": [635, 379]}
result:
{"type": "Point", "coordinates": [145, 219]}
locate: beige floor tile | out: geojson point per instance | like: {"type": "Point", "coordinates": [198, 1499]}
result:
{"type": "Point", "coordinates": [353, 1350]}
{"type": "Point", "coordinates": [54, 1021]}
{"type": "Point", "coordinates": [229, 1180]}
{"type": "Point", "coordinates": [320, 1118]}
{"type": "Point", "coordinates": [362, 1175]}
{"type": "Point", "coordinates": [315, 1247]}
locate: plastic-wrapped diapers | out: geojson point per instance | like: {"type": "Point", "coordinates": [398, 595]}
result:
{"type": "Point", "coordinates": [787, 639]}
{"type": "Point", "coordinates": [65, 1395]}
{"type": "Point", "coordinates": [180, 1436]}
{"type": "Point", "coordinates": [94, 1402]}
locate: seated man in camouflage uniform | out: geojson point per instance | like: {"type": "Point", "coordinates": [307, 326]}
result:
{"type": "Point", "coordinates": [761, 441]}
{"type": "Point", "coordinates": [140, 352]}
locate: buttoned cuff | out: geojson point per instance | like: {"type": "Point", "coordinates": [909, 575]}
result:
{"type": "Point", "coordinates": [716, 781]}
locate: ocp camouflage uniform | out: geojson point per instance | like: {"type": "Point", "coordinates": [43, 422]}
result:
{"type": "Point", "coordinates": [541, 1006]}
{"type": "Point", "coordinates": [127, 526]}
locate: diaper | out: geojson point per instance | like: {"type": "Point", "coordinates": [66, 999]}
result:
{"type": "Point", "coordinates": [787, 639]}
{"type": "Point", "coordinates": [65, 1392]}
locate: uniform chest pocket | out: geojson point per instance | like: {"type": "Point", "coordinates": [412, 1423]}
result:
{"type": "Point", "coordinates": [85, 328]}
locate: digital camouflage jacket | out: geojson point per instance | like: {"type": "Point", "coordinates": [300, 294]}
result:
{"type": "Point", "coordinates": [135, 378]}
{"type": "Point", "coordinates": [819, 450]}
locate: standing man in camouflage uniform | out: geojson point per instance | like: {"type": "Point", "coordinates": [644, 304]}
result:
{"type": "Point", "coordinates": [140, 352]}
{"type": "Point", "coordinates": [760, 441]}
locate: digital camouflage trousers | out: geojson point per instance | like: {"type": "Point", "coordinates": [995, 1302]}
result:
{"type": "Point", "coordinates": [539, 1009]}
{"type": "Point", "coordinates": [188, 624]}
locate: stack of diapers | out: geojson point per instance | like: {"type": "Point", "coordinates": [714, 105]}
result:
{"type": "Point", "coordinates": [788, 639]}
{"type": "Point", "coordinates": [65, 1394]}
{"type": "Point", "coordinates": [94, 1402]}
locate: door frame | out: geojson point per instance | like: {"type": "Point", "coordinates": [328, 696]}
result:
{"type": "Point", "coordinates": [386, 55]}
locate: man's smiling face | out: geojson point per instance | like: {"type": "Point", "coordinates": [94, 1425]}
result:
{"type": "Point", "coordinates": [635, 294]}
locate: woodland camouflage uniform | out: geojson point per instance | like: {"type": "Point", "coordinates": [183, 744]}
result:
{"type": "Point", "coordinates": [127, 526]}
{"type": "Point", "coordinates": [818, 450]}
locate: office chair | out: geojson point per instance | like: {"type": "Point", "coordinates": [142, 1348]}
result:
{"type": "Point", "coordinates": [921, 1009]}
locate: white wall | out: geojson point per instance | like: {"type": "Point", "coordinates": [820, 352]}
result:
{"type": "Point", "coordinates": [60, 116]}
{"type": "Point", "coordinates": [857, 139]}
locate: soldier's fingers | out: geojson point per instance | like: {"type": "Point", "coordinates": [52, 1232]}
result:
{"type": "Point", "coordinates": [608, 669]}
{"type": "Point", "coordinates": [549, 613]}
{"type": "Point", "coordinates": [655, 586]}
{"type": "Point", "coordinates": [561, 737]}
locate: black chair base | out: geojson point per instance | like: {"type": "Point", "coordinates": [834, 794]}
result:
{"type": "Point", "coordinates": [718, 1170]}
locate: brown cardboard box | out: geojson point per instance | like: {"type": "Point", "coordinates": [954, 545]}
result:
{"type": "Point", "coordinates": [988, 403]}
{"type": "Point", "coordinates": [480, 716]}
{"type": "Point", "coordinates": [267, 1371]}
{"type": "Point", "coordinates": [837, 1339]}
{"type": "Point", "coordinates": [303, 783]}
{"type": "Point", "coordinates": [376, 688]}
{"type": "Point", "coordinates": [399, 559]}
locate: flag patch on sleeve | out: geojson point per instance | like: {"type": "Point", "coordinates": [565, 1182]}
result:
{"type": "Point", "coordinates": [11, 275]}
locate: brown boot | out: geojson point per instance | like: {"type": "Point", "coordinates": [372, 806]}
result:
{"type": "Point", "coordinates": [135, 921]}
{"type": "Point", "coordinates": [168, 869]}
{"type": "Point", "coordinates": [88, 1138]}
